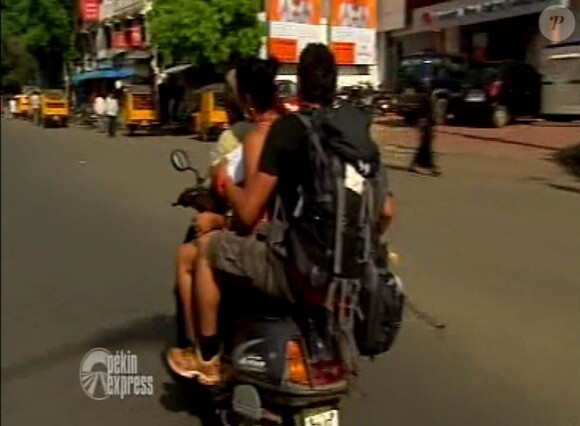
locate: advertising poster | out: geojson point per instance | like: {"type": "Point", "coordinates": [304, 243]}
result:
{"type": "Point", "coordinates": [353, 36]}
{"type": "Point", "coordinates": [292, 25]}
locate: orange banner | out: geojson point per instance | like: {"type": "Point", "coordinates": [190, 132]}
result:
{"type": "Point", "coordinates": [343, 53]}
{"type": "Point", "coordinates": [354, 13]}
{"type": "Point", "coordinates": [296, 11]}
{"type": "Point", "coordinates": [285, 50]}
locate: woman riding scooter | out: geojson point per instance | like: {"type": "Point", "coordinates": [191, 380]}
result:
{"type": "Point", "coordinates": [257, 91]}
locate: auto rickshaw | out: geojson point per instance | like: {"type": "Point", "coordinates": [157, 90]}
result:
{"type": "Point", "coordinates": [138, 109]}
{"type": "Point", "coordinates": [210, 118]}
{"type": "Point", "coordinates": [23, 106]}
{"type": "Point", "coordinates": [54, 108]}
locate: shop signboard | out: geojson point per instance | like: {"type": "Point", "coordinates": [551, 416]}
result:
{"type": "Point", "coordinates": [353, 33]}
{"type": "Point", "coordinates": [468, 12]}
{"type": "Point", "coordinates": [136, 36]}
{"type": "Point", "coordinates": [90, 10]}
{"type": "Point", "coordinates": [292, 25]}
{"type": "Point", "coordinates": [119, 40]}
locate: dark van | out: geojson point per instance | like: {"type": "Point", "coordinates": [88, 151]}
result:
{"type": "Point", "coordinates": [432, 75]}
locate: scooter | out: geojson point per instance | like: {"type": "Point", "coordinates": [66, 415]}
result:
{"type": "Point", "coordinates": [283, 365]}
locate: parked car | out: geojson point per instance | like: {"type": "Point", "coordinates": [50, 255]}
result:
{"type": "Point", "coordinates": [361, 96]}
{"type": "Point", "coordinates": [288, 94]}
{"type": "Point", "coordinates": [432, 75]}
{"type": "Point", "coordinates": [501, 92]}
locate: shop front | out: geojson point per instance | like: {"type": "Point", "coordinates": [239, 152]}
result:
{"type": "Point", "coordinates": [478, 29]}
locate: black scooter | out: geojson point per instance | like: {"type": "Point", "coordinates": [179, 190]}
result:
{"type": "Point", "coordinates": [282, 364]}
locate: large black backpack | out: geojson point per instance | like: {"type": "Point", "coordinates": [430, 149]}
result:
{"type": "Point", "coordinates": [331, 236]}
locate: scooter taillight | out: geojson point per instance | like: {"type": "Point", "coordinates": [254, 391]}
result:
{"type": "Point", "coordinates": [297, 370]}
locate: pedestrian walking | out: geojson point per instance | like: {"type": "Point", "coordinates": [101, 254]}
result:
{"type": "Point", "coordinates": [99, 110]}
{"type": "Point", "coordinates": [423, 158]}
{"type": "Point", "coordinates": [35, 106]}
{"type": "Point", "coordinates": [12, 108]}
{"type": "Point", "coordinates": [112, 111]}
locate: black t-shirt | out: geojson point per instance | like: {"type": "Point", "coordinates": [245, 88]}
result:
{"type": "Point", "coordinates": [285, 155]}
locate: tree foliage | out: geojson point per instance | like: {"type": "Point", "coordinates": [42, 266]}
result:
{"type": "Point", "coordinates": [36, 35]}
{"type": "Point", "coordinates": [206, 32]}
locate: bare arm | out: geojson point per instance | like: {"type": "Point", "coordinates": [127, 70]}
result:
{"type": "Point", "coordinates": [250, 203]}
{"type": "Point", "coordinates": [387, 213]}
{"type": "Point", "coordinates": [253, 144]}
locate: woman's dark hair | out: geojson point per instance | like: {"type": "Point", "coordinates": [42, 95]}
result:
{"type": "Point", "coordinates": [317, 74]}
{"type": "Point", "coordinates": [256, 80]}
{"type": "Point", "coordinates": [233, 109]}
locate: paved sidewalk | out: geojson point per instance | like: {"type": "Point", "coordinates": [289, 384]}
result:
{"type": "Point", "coordinates": [520, 151]}
{"type": "Point", "coordinates": [525, 139]}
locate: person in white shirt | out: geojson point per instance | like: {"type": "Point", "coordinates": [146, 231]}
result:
{"type": "Point", "coordinates": [99, 109]}
{"type": "Point", "coordinates": [111, 111]}
{"type": "Point", "coordinates": [296, 11]}
{"type": "Point", "coordinates": [35, 106]}
{"type": "Point", "coordinates": [12, 108]}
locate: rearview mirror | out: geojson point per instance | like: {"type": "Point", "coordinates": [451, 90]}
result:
{"type": "Point", "coordinates": [180, 160]}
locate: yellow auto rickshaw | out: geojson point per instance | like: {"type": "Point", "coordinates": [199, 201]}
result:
{"type": "Point", "coordinates": [54, 108]}
{"type": "Point", "coordinates": [210, 118]}
{"type": "Point", "coordinates": [138, 110]}
{"type": "Point", "coordinates": [23, 106]}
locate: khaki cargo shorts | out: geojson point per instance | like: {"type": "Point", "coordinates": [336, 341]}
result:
{"type": "Point", "coordinates": [248, 256]}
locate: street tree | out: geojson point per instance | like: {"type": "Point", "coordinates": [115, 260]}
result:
{"type": "Point", "coordinates": [206, 32]}
{"type": "Point", "coordinates": [42, 30]}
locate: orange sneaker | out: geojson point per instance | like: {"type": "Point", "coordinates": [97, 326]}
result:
{"type": "Point", "coordinates": [190, 364]}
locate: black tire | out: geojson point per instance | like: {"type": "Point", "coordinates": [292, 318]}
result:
{"type": "Point", "coordinates": [292, 420]}
{"type": "Point", "coordinates": [440, 107]}
{"type": "Point", "coordinates": [410, 119]}
{"type": "Point", "coordinates": [500, 116]}
{"type": "Point", "coordinates": [130, 130]}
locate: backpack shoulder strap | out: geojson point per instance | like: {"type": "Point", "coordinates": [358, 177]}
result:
{"type": "Point", "coordinates": [313, 136]}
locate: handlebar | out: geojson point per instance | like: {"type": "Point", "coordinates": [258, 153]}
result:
{"type": "Point", "coordinates": [201, 199]}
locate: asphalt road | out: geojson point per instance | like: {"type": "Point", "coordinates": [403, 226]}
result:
{"type": "Point", "coordinates": [88, 239]}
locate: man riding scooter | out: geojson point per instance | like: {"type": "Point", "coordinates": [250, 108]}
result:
{"type": "Point", "coordinates": [281, 172]}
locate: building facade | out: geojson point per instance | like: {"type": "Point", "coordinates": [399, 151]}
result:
{"type": "Point", "coordinates": [113, 35]}
{"type": "Point", "coordinates": [476, 29]}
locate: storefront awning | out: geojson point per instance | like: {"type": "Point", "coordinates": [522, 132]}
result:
{"type": "Point", "coordinates": [104, 74]}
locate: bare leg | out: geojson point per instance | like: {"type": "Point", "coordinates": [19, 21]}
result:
{"type": "Point", "coordinates": [186, 258]}
{"type": "Point", "coordinates": [205, 364]}
{"type": "Point", "coordinates": [207, 291]}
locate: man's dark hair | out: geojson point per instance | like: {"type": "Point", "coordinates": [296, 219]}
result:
{"type": "Point", "coordinates": [256, 80]}
{"type": "Point", "coordinates": [317, 74]}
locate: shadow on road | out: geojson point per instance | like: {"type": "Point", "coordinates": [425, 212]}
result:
{"type": "Point", "coordinates": [188, 396]}
{"type": "Point", "coordinates": [569, 159]}
{"type": "Point", "coordinates": [159, 329]}
{"type": "Point", "coordinates": [497, 140]}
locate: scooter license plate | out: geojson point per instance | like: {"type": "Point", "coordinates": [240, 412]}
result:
{"type": "Point", "coordinates": [325, 418]}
